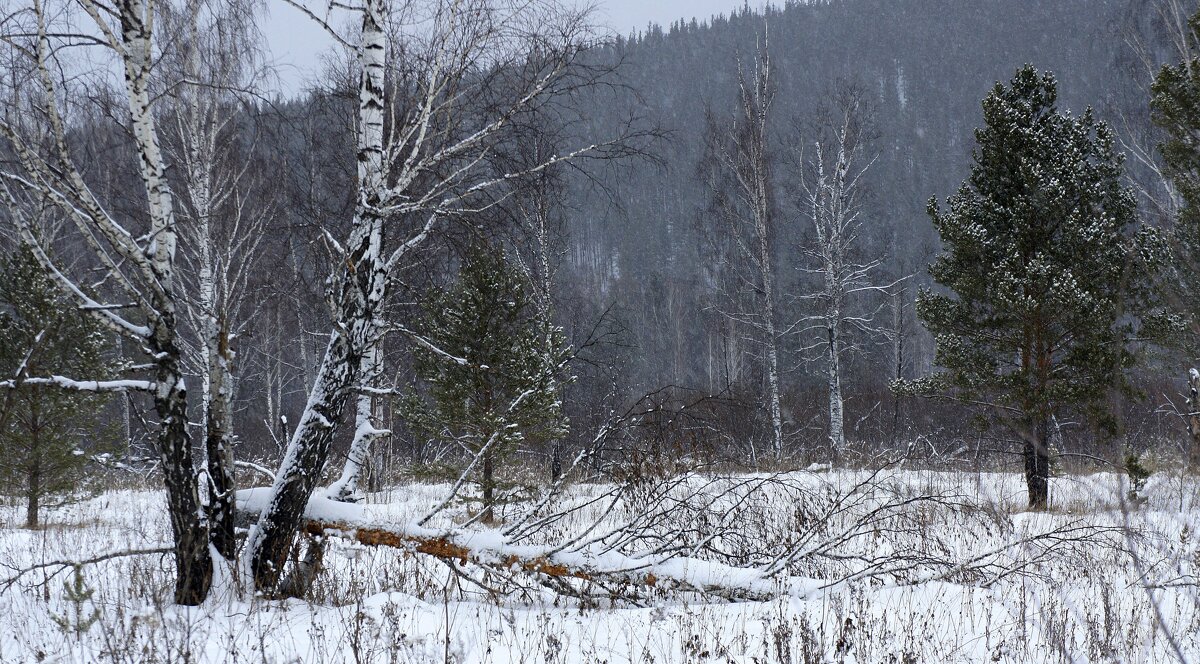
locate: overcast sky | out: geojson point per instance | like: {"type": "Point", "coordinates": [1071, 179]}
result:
{"type": "Point", "coordinates": [297, 43]}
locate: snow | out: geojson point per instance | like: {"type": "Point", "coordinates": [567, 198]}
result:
{"type": "Point", "coordinates": [1064, 602]}
{"type": "Point", "coordinates": [491, 544]}
{"type": "Point", "coordinates": [87, 385]}
{"type": "Point", "coordinates": [320, 506]}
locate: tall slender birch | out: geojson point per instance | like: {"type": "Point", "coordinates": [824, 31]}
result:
{"type": "Point", "coordinates": [221, 228]}
{"type": "Point", "coordinates": [832, 192]}
{"type": "Point", "coordinates": [740, 179]}
{"type": "Point", "coordinates": [471, 70]}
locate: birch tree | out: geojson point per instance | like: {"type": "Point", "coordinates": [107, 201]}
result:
{"type": "Point", "coordinates": [223, 215]}
{"type": "Point", "coordinates": [433, 98]}
{"type": "Point", "coordinates": [136, 253]}
{"type": "Point", "coordinates": [738, 170]}
{"type": "Point", "coordinates": [832, 188]}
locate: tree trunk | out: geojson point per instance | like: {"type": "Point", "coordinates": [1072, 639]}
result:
{"type": "Point", "coordinates": [897, 357]}
{"type": "Point", "coordinates": [193, 564]}
{"type": "Point", "coordinates": [837, 431]}
{"type": "Point", "coordinates": [556, 460]}
{"type": "Point", "coordinates": [218, 446]}
{"type": "Point", "coordinates": [772, 337]}
{"type": "Point", "coordinates": [35, 486]}
{"type": "Point", "coordinates": [365, 431]}
{"type": "Point", "coordinates": [306, 569]}
{"type": "Point", "coordinates": [1194, 421]}
{"type": "Point", "coordinates": [215, 356]}
{"type": "Point", "coordinates": [359, 296]}
{"type": "Point", "coordinates": [34, 476]}
{"type": "Point", "coordinates": [1037, 464]}
{"type": "Point", "coordinates": [270, 540]}
{"type": "Point", "coordinates": [488, 484]}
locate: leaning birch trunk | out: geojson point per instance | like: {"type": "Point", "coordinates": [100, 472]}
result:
{"type": "Point", "coordinates": [358, 293]}
{"type": "Point", "coordinates": [308, 449]}
{"type": "Point", "coordinates": [346, 488]}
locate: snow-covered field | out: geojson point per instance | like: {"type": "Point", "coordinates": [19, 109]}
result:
{"type": "Point", "coordinates": [914, 566]}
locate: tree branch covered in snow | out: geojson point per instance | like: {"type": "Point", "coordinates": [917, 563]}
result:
{"type": "Point", "coordinates": [135, 252]}
{"type": "Point", "coordinates": [469, 72]}
{"type": "Point", "coordinates": [82, 385]}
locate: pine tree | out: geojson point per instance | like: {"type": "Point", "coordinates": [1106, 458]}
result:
{"type": "Point", "coordinates": [1175, 106]}
{"type": "Point", "coordinates": [44, 428]}
{"type": "Point", "coordinates": [490, 368]}
{"type": "Point", "coordinates": [78, 594]}
{"type": "Point", "coordinates": [1035, 267]}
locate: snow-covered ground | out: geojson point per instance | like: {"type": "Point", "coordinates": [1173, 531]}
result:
{"type": "Point", "coordinates": [914, 566]}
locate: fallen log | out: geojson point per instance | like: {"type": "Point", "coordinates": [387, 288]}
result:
{"type": "Point", "coordinates": [446, 549]}
{"type": "Point", "coordinates": [488, 549]}
{"type": "Point", "coordinates": [677, 573]}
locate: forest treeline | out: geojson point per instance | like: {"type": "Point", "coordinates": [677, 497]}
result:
{"type": "Point", "coordinates": [631, 242]}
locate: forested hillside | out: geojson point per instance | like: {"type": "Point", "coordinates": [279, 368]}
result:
{"type": "Point", "coordinates": [630, 236]}
{"type": "Point", "coordinates": [925, 66]}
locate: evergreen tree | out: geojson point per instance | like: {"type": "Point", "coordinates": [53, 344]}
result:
{"type": "Point", "coordinates": [44, 429]}
{"type": "Point", "coordinates": [1035, 269]}
{"type": "Point", "coordinates": [1175, 108]}
{"type": "Point", "coordinates": [490, 366]}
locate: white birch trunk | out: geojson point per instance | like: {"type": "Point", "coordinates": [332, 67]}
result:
{"type": "Point", "coordinates": [772, 343]}
{"type": "Point", "coordinates": [760, 198]}
{"type": "Point", "coordinates": [193, 563]}
{"type": "Point", "coordinates": [837, 432]}
{"type": "Point", "coordinates": [366, 434]}
{"type": "Point", "coordinates": [357, 298]}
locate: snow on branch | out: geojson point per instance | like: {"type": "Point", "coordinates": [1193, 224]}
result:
{"type": "Point", "coordinates": [490, 549]}
{"type": "Point", "coordinates": [83, 385]}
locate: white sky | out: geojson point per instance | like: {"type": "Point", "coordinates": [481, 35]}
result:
{"type": "Point", "coordinates": [297, 43]}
